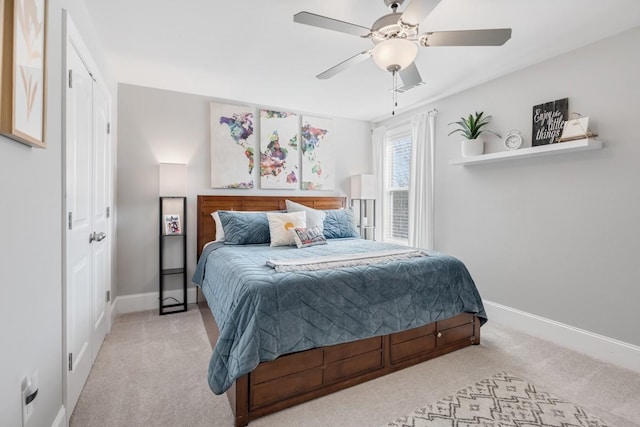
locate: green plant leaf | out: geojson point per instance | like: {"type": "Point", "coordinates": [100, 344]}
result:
{"type": "Point", "coordinates": [472, 126]}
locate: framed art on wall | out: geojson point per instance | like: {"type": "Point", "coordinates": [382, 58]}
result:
{"type": "Point", "coordinates": [279, 157]}
{"type": "Point", "coordinates": [318, 155]}
{"type": "Point", "coordinates": [23, 72]}
{"type": "Point", "coordinates": [232, 146]}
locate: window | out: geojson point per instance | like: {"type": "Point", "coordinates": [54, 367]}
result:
{"type": "Point", "coordinates": [396, 191]}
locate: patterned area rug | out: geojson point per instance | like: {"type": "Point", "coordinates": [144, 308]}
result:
{"type": "Point", "coordinates": [502, 400]}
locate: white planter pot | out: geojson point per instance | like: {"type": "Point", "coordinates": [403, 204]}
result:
{"type": "Point", "coordinates": [472, 147]}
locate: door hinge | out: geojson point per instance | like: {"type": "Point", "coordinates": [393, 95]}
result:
{"type": "Point", "coordinates": [108, 211]}
{"type": "Point", "coordinates": [109, 128]}
{"type": "Point", "coordinates": [70, 362]}
{"type": "Point", "coordinates": [70, 78]}
{"type": "Point", "coordinates": [108, 296]}
{"type": "Point", "coordinates": [70, 219]}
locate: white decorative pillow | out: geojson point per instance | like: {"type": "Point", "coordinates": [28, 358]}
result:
{"type": "Point", "coordinates": [315, 217]}
{"type": "Point", "coordinates": [280, 225]}
{"type": "Point", "coordinates": [305, 237]}
{"type": "Point", "coordinates": [219, 229]}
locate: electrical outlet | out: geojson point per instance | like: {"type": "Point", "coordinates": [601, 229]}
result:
{"type": "Point", "coordinates": [27, 410]}
{"type": "Point", "coordinates": [29, 393]}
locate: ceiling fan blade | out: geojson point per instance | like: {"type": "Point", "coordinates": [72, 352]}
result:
{"type": "Point", "coordinates": [410, 78]}
{"type": "Point", "coordinates": [417, 10]}
{"type": "Point", "coordinates": [355, 59]}
{"type": "Point", "coordinates": [314, 20]}
{"type": "Point", "coordinates": [494, 37]}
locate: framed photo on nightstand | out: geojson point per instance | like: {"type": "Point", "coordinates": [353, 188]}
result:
{"type": "Point", "coordinates": [172, 225]}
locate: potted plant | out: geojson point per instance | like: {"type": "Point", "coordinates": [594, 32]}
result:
{"type": "Point", "coordinates": [471, 128]}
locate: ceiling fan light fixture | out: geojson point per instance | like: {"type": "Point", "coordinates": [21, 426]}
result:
{"type": "Point", "coordinates": [394, 54]}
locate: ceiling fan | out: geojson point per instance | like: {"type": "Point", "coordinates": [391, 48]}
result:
{"type": "Point", "coordinates": [396, 37]}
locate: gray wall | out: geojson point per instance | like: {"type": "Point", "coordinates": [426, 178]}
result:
{"type": "Point", "coordinates": [158, 126]}
{"type": "Point", "coordinates": [31, 242]}
{"type": "Point", "coordinates": [553, 236]}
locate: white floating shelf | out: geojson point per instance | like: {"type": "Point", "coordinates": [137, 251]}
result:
{"type": "Point", "coordinates": [525, 153]}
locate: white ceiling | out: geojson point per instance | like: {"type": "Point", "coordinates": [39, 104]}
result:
{"type": "Point", "coordinates": [251, 51]}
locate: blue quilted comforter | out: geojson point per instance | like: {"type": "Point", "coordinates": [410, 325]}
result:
{"type": "Point", "coordinates": [262, 314]}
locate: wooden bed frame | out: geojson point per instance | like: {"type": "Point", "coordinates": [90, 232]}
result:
{"type": "Point", "coordinates": [295, 378]}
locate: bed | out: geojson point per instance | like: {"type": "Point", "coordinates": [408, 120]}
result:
{"type": "Point", "coordinates": [262, 374]}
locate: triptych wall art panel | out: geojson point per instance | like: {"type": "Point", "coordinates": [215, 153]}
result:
{"type": "Point", "coordinates": [318, 153]}
{"type": "Point", "coordinates": [279, 157]}
{"type": "Point", "coordinates": [293, 155]}
{"type": "Point", "coordinates": [232, 146]}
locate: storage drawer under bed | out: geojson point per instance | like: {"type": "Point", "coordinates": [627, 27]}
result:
{"type": "Point", "coordinates": [308, 370]}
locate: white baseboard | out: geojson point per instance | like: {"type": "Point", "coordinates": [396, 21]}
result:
{"type": "Point", "coordinates": [114, 312]}
{"type": "Point", "coordinates": [148, 301]}
{"type": "Point", "coordinates": [61, 418]}
{"type": "Point", "coordinates": [597, 346]}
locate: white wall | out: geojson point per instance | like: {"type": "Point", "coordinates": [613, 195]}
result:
{"type": "Point", "coordinates": [31, 243]}
{"type": "Point", "coordinates": [158, 126]}
{"type": "Point", "coordinates": [553, 236]}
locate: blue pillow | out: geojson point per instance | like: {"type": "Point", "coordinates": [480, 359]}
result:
{"type": "Point", "coordinates": [339, 223]}
{"type": "Point", "coordinates": [244, 228]}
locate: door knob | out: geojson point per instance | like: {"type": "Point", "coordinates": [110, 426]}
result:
{"type": "Point", "coordinates": [98, 237]}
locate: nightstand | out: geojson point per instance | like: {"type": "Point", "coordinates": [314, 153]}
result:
{"type": "Point", "coordinates": [365, 213]}
{"type": "Point", "coordinates": [173, 255]}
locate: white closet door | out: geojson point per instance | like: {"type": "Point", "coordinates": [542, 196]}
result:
{"type": "Point", "coordinates": [79, 258]}
{"type": "Point", "coordinates": [100, 246]}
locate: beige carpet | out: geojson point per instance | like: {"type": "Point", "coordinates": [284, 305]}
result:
{"type": "Point", "coordinates": [152, 370]}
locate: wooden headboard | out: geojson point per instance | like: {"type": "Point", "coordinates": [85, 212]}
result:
{"type": "Point", "coordinates": [209, 204]}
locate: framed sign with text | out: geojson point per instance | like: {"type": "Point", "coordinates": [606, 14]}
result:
{"type": "Point", "coordinates": [548, 121]}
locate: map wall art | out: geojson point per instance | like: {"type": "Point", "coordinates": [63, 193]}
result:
{"type": "Point", "coordinates": [232, 146]}
{"type": "Point", "coordinates": [318, 153]}
{"type": "Point", "coordinates": [279, 155]}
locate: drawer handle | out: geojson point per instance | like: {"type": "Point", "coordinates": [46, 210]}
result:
{"type": "Point", "coordinates": [439, 334]}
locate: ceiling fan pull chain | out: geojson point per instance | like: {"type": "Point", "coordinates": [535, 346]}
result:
{"type": "Point", "coordinates": [394, 96]}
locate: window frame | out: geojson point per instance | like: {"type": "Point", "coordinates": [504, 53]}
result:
{"type": "Point", "coordinates": [398, 134]}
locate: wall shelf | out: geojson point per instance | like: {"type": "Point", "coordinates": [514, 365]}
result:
{"type": "Point", "coordinates": [525, 153]}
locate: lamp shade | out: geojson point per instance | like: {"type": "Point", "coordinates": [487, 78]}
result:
{"type": "Point", "coordinates": [173, 180]}
{"type": "Point", "coordinates": [363, 186]}
{"type": "Point", "coordinates": [394, 53]}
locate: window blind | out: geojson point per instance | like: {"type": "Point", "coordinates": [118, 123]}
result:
{"type": "Point", "coordinates": [398, 163]}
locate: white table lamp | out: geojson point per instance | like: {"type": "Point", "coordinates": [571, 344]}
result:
{"type": "Point", "coordinates": [363, 186]}
{"type": "Point", "coordinates": [173, 180]}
